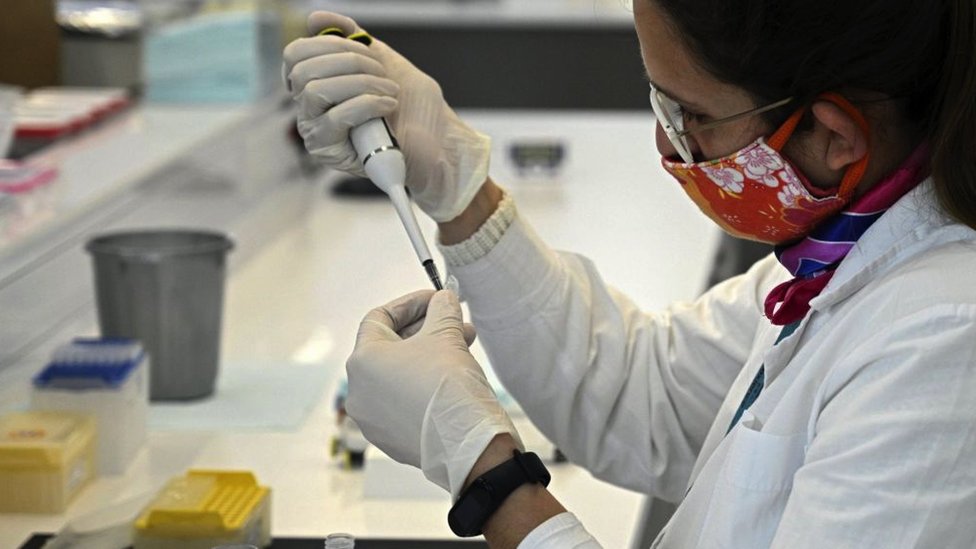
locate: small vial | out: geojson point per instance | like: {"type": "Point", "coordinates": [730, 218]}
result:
{"type": "Point", "coordinates": [340, 541]}
{"type": "Point", "coordinates": [452, 284]}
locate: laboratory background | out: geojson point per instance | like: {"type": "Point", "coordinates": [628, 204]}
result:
{"type": "Point", "coordinates": [181, 282]}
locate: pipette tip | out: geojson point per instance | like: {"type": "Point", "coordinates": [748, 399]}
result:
{"type": "Point", "coordinates": [432, 274]}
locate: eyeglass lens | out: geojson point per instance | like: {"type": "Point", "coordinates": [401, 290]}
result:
{"type": "Point", "coordinates": [672, 116]}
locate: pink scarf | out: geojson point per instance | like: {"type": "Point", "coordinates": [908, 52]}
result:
{"type": "Point", "coordinates": [813, 259]}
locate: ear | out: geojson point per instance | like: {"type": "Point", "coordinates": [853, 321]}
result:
{"type": "Point", "coordinates": [847, 142]}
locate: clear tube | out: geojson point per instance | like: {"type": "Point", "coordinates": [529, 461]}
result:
{"type": "Point", "coordinates": [340, 541]}
{"type": "Point", "coordinates": [452, 284]}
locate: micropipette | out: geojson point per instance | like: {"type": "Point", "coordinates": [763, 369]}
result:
{"type": "Point", "coordinates": [386, 168]}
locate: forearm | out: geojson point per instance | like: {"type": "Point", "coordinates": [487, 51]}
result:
{"type": "Point", "coordinates": [484, 203]}
{"type": "Point", "coordinates": [574, 352]}
{"type": "Point", "coordinates": [523, 510]}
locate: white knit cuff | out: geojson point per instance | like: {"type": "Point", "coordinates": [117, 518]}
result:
{"type": "Point", "coordinates": [484, 239]}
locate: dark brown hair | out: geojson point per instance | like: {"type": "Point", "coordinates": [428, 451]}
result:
{"type": "Point", "coordinates": [920, 51]}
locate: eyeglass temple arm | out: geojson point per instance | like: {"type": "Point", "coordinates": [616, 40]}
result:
{"type": "Point", "coordinates": [733, 118]}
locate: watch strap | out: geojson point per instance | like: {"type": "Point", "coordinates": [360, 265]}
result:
{"type": "Point", "coordinates": [487, 492]}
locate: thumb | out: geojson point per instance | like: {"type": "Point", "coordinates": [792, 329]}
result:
{"type": "Point", "coordinates": [443, 314]}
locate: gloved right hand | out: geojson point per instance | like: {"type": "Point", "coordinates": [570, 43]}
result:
{"type": "Point", "coordinates": [340, 83]}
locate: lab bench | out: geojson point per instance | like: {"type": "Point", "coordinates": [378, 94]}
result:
{"type": "Point", "coordinates": [307, 266]}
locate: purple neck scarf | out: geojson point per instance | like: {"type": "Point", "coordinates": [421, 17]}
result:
{"type": "Point", "coordinates": [813, 259]}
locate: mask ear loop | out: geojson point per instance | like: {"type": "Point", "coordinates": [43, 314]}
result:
{"type": "Point", "coordinates": [856, 170]}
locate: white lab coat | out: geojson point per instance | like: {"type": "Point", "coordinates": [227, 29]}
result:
{"type": "Point", "coordinates": [865, 433]}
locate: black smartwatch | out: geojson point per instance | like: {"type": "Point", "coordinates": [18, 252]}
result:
{"type": "Point", "coordinates": [486, 493]}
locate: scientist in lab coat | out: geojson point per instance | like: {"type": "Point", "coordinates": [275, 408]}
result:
{"type": "Point", "coordinates": [825, 398]}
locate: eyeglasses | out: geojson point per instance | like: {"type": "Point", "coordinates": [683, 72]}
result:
{"type": "Point", "coordinates": [672, 115]}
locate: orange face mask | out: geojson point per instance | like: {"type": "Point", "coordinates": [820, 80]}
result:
{"type": "Point", "coordinates": [757, 194]}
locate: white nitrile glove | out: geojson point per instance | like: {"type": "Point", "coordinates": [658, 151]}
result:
{"type": "Point", "coordinates": [340, 83]}
{"type": "Point", "coordinates": [422, 398]}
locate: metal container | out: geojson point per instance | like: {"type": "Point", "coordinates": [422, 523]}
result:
{"type": "Point", "coordinates": [165, 288]}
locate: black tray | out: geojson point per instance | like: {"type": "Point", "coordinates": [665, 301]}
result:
{"type": "Point", "coordinates": [37, 541]}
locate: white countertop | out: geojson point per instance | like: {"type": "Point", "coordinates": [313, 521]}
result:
{"type": "Point", "coordinates": [482, 13]}
{"type": "Point", "coordinates": [298, 297]}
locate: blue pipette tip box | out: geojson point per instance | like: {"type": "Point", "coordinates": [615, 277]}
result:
{"type": "Point", "coordinates": [107, 378]}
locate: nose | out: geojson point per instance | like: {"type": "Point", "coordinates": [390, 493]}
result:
{"type": "Point", "coordinates": [664, 146]}
{"type": "Point", "coordinates": [667, 149]}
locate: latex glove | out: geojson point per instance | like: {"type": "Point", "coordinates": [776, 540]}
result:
{"type": "Point", "coordinates": [424, 399]}
{"type": "Point", "coordinates": [340, 83]}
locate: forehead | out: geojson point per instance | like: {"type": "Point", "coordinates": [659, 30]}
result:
{"type": "Point", "coordinates": [670, 64]}
{"type": "Point", "coordinates": [665, 56]}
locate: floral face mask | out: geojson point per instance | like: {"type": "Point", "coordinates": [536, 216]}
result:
{"type": "Point", "coordinates": [757, 194]}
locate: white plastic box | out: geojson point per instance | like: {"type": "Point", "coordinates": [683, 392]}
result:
{"type": "Point", "coordinates": [108, 379]}
{"type": "Point", "coordinates": [46, 458]}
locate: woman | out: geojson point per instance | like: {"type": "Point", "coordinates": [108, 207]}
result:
{"type": "Point", "coordinates": [823, 399]}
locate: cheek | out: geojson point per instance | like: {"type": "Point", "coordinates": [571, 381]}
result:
{"type": "Point", "coordinates": [725, 141]}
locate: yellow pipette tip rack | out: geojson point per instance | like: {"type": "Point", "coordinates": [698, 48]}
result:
{"type": "Point", "coordinates": [45, 460]}
{"type": "Point", "coordinates": [206, 508]}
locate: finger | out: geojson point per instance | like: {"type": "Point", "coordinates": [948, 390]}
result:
{"type": "Point", "coordinates": [412, 329]}
{"type": "Point", "coordinates": [357, 110]}
{"type": "Point", "coordinates": [327, 135]}
{"type": "Point", "coordinates": [306, 48]}
{"type": "Point", "coordinates": [383, 323]}
{"type": "Point", "coordinates": [339, 155]}
{"type": "Point", "coordinates": [407, 309]}
{"type": "Point", "coordinates": [327, 139]}
{"type": "Point", "coordinates": [333, 64]}
{"type": "Point", "coordinates": [374, 328]}
{"type": "Point", "coordinates": [443, 313]}
{"type": "Point", "coordinates": [469, 333]}
{"type": "Point", "coordinates": [321, 95]}
{"type": "Point", "coordinates": [319, 20]}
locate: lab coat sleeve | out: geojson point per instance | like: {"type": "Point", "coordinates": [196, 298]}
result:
{"type": "Point", "coordinates": [628, 395]}
{"type": "Point", "coordinates": [892, 460]}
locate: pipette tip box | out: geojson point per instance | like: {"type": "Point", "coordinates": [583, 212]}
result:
{"type": "Point", "coordinates": [108, 379]}
{"type": "Point", "coordinates": [204, 509]}
{"type": "Point", "coordinates": [46, 458]}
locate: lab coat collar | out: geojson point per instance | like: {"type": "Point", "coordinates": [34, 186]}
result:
{"type": "Point", "coordinates": [911, 226]}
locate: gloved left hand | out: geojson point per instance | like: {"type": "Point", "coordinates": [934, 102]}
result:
{"type": "Point", "coordinates": [423, 398]}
